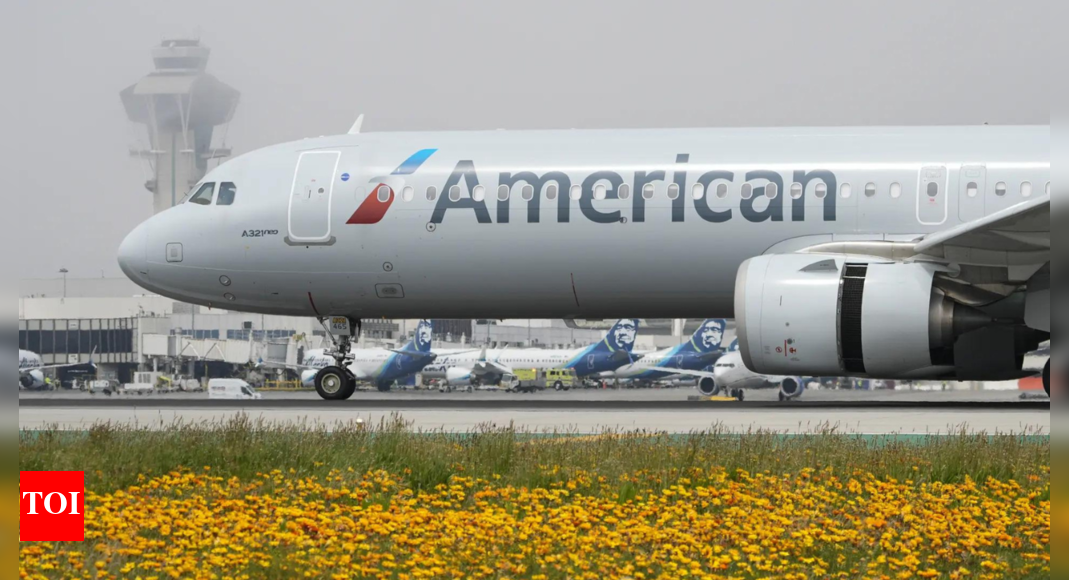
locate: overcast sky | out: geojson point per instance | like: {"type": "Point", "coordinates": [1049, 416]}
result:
{"type": "Point", "coordinates": [308, 68]}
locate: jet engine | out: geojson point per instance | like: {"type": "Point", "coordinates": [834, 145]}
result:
{"type": "Point", "coordinates": [791, 388]}
{"type": "Point", "coordinates": [707, 386]}
{"type": "Point", "coordinates": [308, 379]}
{"type": "Point", "coordinates": [32, 380]}
{"type": "Point", "coordinates": [458, 377]}
{"type": "Point", "coordinates": [813, 315]}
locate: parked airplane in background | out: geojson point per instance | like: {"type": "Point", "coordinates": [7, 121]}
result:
{"type": "Point", "coordinates": [730, 376]}
{"type": "Point", "coordinates": [32, 370]}
{"type": "Point", "coordinates": [488, 366]}
{"type": "Point", "coordinates": [378, 366]}
{"type": "Point", "coordinates": [701, 351]}
{"type": "Point", "coordinates": [897, 253]}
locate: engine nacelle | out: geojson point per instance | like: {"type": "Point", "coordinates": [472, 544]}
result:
{"type": "Point", "coordinates": [458, 377]}
{"type": "Point", "coordinates": [791, 388]}
{"type": "Point", "coordinates": [32, 380]}
{"type": "Point", "coordinates": [707, 386]}
{"type": "Point", "coordinates": [814, 315]}
{"type": "Point", "coordinates": [308, 379]}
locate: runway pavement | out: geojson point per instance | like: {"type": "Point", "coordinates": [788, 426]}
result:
{"type": "Point", "coordinates": [577, 411]}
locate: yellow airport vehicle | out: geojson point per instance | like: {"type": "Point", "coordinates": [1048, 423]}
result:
{"type": "Point", "coordinates": [530, 380]}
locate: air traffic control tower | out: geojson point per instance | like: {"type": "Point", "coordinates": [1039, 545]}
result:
{"type": "Point", "coordinates": [181, 105]}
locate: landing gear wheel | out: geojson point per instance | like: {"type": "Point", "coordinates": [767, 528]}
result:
{"type": "Point", "coordinates": [782, 397]}
{"type": "Point", "coordinates": [738, 395]}
{"type": "Point", "coordinates": [384, 388]}
{"type": "Point", "coordinates": [335, 384]}
{"type": "Point", "coordinates": [1046, 378]}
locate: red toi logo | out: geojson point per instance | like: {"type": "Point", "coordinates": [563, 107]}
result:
{"type": "Point", "coordinates": [53, 506]}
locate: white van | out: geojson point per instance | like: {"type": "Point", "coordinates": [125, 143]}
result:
{"type": "Point", "coordinates": [231, 389]}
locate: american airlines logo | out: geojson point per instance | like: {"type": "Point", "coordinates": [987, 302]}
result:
{"type": "Point", "coordinates": [765, 197]}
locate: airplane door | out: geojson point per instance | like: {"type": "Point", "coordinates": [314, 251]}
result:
{"type": "Point", "coordinates": [932, 196]}
{"type": "Point", "coordinates": [311, 197]}
{"type": "Point", "coordinates": [972, 189]}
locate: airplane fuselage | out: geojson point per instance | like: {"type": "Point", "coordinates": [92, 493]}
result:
{"type": "Point", "coordinates": [562, 224]}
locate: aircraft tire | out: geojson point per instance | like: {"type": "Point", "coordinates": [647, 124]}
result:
{"type": "Point", "coordinates": [334, 384]}
{"type": "Point", "coordinates": [1046, 378]}
{"type": "Point", "coordinates": [384, 388]}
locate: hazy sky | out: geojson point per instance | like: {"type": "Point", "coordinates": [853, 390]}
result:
{"type": "Point", "coordinates": [307, 68]}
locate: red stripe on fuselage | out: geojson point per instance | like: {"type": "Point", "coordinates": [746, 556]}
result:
{"type": "Point", "coordinates": [372, 210]}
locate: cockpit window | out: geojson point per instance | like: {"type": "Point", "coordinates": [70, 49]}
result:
{"type": "Point", "coordinates": [227, 192]}
{"type": "Point", "coordinates": [203, 195]}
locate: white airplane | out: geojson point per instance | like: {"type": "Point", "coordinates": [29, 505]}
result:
{"type": "Point", "coordinates": [32, 370]}
{"type": "Point", "coordinates": [701, 351]}
{"type": "Point", "coordinates": [731, 377]}
{"type": "Point", "coordinates": [465, 368]}
{"type": "Point", "coordinates": [899, 253]}
{"type": "Point", "coordinates": [378, 366]}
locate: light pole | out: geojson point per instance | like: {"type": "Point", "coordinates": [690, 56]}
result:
{"type": "Point", "coordinates": [64, 271]}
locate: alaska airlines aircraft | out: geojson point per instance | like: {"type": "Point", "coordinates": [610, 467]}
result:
{"type": "Point", "coordinates": [900, 253]}
{"type": "Point", "coordinates": [32, 368]}
{"type": "Point", "coordinates": [701, 351]}
{"type": "Point", "coordinates": [380, 367]}
{"type": "Point", "coordinates": [731, 377]}
{"type": "Point", "coordinates": [488, 366]}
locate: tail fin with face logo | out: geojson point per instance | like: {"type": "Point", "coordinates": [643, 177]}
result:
{"type": "Point", "coordinates": [710, 335]}
{"type": "Point", "coordinates": [421, 340]}
{"type": "Point", "coordinates": [622, 335]}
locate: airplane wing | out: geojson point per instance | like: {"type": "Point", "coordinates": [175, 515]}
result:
{"type": "Point", "coordinates": [416, 355]}
{"type": "Point", "coordinates": [698, 374]}
{"type": "Point", "coordinates": [1015, 236]}
{"type": "Point", "coordinates": [63, 366]}
{"type": "Point", "coordinates": [277, 365]}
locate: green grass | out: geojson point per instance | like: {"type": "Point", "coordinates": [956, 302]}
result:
{"type": "Point", "coordinates": [115, 457]}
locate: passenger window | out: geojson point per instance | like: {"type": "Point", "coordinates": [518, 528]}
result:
{"type": "Point", "coordinates": [822, 190]}
{"type": "Point", "coordinates": [896, 190]}
{"type": "Point", "coordinates": [384, 194]}
{"type": "Point", "coordinates": [846, 191]}
{"type": "Point", "coordinates": [577, 192]}
{"type": "Point", "coordinates": [227, 192]}
{"type": "Point", "coordinates": [796, 191]}
{"type": "Point", "coordinates": [648, 191]}
{"type": "Point", "coordinates": [408, 193]}
{"type": "Point", "coordinates": [673, 191]}
{"type": "Point", "coordinates": [1000, 188]}
{"type": "Point", "coordinates": [479, 193]}
{"type": "Point", "coordinates": [503, 193]}
{"type": "Point", "coordinates": [203, 195]}
{"type": "Point", "coordinates": [551, 191]}
{"type": "Point", "coordinates": [624, 192]}
{"type": "Point", "coordinates": [527, 192]}
{"type": "Point", "coordinates": [698, 191]}
{"type": "Point", "coordinates": [432, 193]}
{"type": "Point", "coordinates": [870, 190]}
{"type": "Point", "coordinates": [771, 191]}
{"type": "Point", "coordinates": [1026, 189]}
{"type": "Point", "coordinates": [722, 190]}
{"type": "Point", "coordinates": [747, 191]}
{"type": "Point", "coordinates": [600, 191]}
{"type": "Point", "coordinates": [933, 190]}
{"type": "Point", "coordinates": [973, 189]}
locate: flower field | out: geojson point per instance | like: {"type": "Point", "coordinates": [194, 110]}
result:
{"type": "Point", "coordinates": [386, 503]}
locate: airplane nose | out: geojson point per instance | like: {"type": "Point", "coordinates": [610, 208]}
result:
{"type": "Point", "coordinates": [133, 257]}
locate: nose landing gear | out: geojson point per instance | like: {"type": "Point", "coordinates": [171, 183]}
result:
{"type": "Point", "coordinates": [337, 383]}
